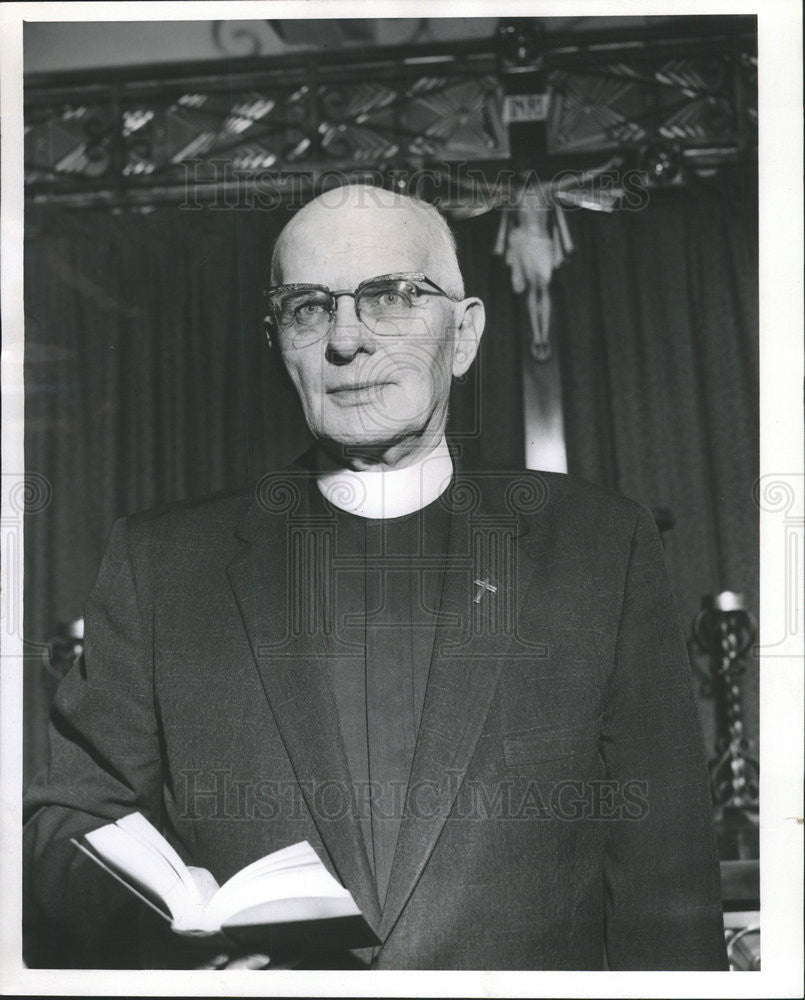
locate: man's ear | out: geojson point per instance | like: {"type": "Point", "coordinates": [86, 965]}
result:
{"type": "Point", "coordinates": [471, 319]}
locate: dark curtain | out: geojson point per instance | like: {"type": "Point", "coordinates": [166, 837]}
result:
{"type": "Point", "coordinates": [656, 325]}
{"type": "Point", "coordinates": [148, 380]}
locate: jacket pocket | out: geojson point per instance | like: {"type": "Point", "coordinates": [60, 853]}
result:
{"type": "Point", "coordinates": [534, 746]}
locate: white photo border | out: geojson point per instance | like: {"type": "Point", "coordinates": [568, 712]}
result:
{"type": "Point", "coordinates": [781, 596]}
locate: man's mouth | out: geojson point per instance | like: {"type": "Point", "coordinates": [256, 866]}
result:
{"type": "Point", "coordinates": [353, 387]}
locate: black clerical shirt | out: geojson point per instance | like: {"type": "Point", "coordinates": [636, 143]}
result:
{"type": "Point", "coordinates": [387, 584]}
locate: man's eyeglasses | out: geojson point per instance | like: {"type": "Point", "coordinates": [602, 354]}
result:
{"type": "Point", "coordinates": [385, 304]}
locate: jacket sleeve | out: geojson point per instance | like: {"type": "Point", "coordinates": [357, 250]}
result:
{"type": "Point", "coordinates": [662, 887]}
{"type": "Point", "coordinates": [104, 764]}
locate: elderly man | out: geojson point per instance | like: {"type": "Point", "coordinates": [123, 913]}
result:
{"type": "Point", "coordinates": [466, 689]}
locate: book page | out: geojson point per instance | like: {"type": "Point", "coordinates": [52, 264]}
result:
{"type": "Point", "coordinates": [287, 858]}
{"type": "Point", "coordinates": [139, 827]}
{"type": "Point", "coordinates": [142, 863]}
{"type": "Point", "coordinates": [286, 911]}
{"type": "Point", "coordinates": [293, 874]}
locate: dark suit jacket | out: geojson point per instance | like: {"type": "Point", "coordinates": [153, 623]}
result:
{"type": "Point", "coordinates": [558, 804]}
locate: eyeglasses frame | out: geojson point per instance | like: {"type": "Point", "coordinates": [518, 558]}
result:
{"type": "Point", "coordinates": [272, 322]}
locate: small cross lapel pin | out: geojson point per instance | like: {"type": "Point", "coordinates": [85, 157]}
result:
{"type": "Point", "coordinates": [483, 585]}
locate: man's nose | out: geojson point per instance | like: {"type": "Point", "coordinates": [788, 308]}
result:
{"type": "Point", "coordinates": [348, 336]}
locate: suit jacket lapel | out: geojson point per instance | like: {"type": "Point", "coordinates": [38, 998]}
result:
{"type": "Point", "coordinates": [293, 670]}
{"type": "Point", "coordinates": [465, 668]}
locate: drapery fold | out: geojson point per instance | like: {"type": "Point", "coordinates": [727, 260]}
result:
{"type": "Point", "coordinates": [657, 332]}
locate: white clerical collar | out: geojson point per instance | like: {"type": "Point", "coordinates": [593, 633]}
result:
{"type": "Point", "coordinates": [390, 492]}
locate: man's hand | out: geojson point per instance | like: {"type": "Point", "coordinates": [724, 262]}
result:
{"type": "Point", "coordinates": [235, 962]}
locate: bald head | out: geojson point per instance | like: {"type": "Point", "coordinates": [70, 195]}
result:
{"type": "Point", "coordinates": [347, 220]}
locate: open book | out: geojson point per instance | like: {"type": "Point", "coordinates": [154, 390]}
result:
{"type": "Point", "coordinates": [287, 899]}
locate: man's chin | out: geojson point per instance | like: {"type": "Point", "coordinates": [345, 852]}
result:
{"type": "Point", "coordinates": [364, 427]}
{"type": "Point", "coordinates": [342, 442]}
{"type": "Point", "coordinates": [373, 445]}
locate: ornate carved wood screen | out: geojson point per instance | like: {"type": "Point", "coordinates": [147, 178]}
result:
{"type": "Point", "coordinates": [670, 104]}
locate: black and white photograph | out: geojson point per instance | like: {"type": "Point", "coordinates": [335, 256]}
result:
{"type": "Point", "coordinates": [401, 553]}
